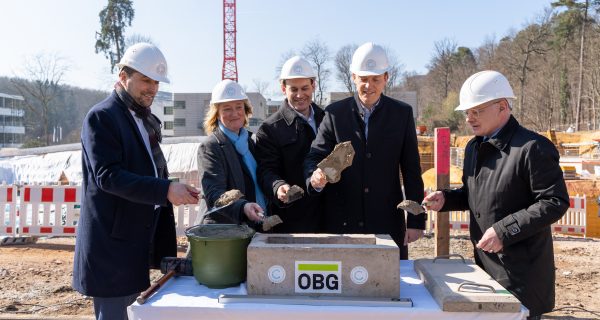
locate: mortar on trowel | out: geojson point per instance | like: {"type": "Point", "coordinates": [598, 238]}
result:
{"type": "Point", "coordinates": [218, 251]}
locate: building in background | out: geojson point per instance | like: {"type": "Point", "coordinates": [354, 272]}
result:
{"type": "Point", "coordinates": [272, 107]}
{"type": "Point", "coordinates": [12, 121]}
{"type": "Point", "coordinates": [182, 114]}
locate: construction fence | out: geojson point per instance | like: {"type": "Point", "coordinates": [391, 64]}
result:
{"type": "Point", "coordinates": [53, 210]}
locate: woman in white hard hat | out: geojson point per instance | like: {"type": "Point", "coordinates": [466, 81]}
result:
{"type": "Point", "coordinates": [227, 157]}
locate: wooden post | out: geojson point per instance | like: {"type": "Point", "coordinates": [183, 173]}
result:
{"type": "Point", "coordinates": [442, 173]}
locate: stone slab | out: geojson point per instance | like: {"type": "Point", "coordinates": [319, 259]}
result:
{"type": "Point", "coordinates": [443, 277]}
{"type": "Point", "coordinates": [323, 265]}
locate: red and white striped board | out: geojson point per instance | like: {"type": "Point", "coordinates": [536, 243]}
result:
{"type": "Point", "coordinates": [575, 219]}
{"type": "Point", "coordinates": [49, 210]}
{"type": "Point", "coordinates": [8, 204]}
{"type": "Point", "coordinates": [573, 222]}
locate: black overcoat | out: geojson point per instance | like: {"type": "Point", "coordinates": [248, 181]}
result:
{"type": "Point", "coordinates": [282, 142]}
{"type": "Point", "coordinates": [514, 184]}
{"type": "Point", "coordinates": [365, 199]}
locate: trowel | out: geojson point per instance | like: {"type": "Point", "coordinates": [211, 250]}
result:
{"type": "Point", "coordinates": [412, 207]}
{"type": "Point", "coordinates": [228, 198]}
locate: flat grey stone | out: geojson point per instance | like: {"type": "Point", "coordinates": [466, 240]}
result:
{"type": "Point", "coordinates": [295, 193]}
{"type": "Point", "coordinates": [339, 159]}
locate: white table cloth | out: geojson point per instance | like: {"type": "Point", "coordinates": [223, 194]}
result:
{"type": "Point", "coordinates": [183, 298]}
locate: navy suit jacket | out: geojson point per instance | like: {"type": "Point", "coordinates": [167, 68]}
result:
{"type": "Point", "coordinates": [117, 224]}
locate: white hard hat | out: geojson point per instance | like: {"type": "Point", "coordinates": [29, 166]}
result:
{"type": "Point", "coordinates": [482, 87]}
{"type": "Point", "coordinates": [369, 60]}
{"type": "Point", "coordinates": [146, 59]}
{"type": "Point", "coordinates": [297, 67]}
{"type": "Point", "coordinates": [227, 90]}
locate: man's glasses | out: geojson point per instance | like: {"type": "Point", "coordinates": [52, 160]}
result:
{"type": "Point", "coordinates": [475, 113]}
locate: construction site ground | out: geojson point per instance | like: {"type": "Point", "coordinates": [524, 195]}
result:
{"type": "Point", "coordinates": [35, 278]}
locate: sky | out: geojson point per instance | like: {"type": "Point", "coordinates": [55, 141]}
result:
{"type": "Point", "coordinates": [189, 32]}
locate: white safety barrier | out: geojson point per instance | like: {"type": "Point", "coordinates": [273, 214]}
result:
{"type": "Point", "coordinates": [184, 217]}
{"type": "Point", "coordinates": [49, 210]}
{"type": "Point", "coordinates": [573, 222]}
{"type": "Point", "coordinates": [8, 201]}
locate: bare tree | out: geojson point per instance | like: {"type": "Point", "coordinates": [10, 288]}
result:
{"type": "Point", "coordinates": [317, 53]}
{"type": "Point", "coordinates": [40, 83]}
{"type": "Point", "coordinates": [260, 86]}
{"type": "Point", "coordinates": [282, 59]}
{"type": "Point", "coordinates": [486, 53]}
{"type": "Point", "coordinates": [518, 53]}
{"type": "Point", "coordinates": [441, 64]}
{"type": "Point", "coordinates": [137, 38]}
{"type": "Point", "coordinates": [394, 70]}
{"type": "Point", "coordinates": [342, 61]}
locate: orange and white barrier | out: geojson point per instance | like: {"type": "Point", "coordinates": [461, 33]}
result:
{"type": "Point", "coordinates": [573, 222]}
{"type": "Point", "coordinates": [49, 210]}
{"type": "Point", "coordinates": [8, 201]}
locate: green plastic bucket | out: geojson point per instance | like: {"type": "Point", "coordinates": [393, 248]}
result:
{"type": "Point", "coordinates": [219, 253]}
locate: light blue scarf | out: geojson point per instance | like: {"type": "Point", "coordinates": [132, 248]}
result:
{"type": "Point", "coordinates": [241, 146]}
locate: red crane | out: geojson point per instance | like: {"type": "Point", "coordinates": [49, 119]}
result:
{"type": "Point", "coordinates": [229, 31]}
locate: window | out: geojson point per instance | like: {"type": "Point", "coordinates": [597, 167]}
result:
{"type": "Point", "coordinates": [179, 105]}
{"type": "Point", "coordinates": [168, 110]}
{"type": "Point", "coordinates": [179, 122]}
{"type": "Point", "coordinates": [168, 125]}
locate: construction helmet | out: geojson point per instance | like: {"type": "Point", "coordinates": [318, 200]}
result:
{"type": "Point", "coordinates": [146, 59]}
{"type": "Point", "coordinates": [227, 90]}
{"type": "Point", "coordinates": [369, 60]}
{"type": "Point", "coordinates": [297, 67]}
{"type": "Point", "coordinates": [482, 87]}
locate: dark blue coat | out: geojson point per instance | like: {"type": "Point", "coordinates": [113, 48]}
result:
{"type": "Point", "coordinates": [116, 225]}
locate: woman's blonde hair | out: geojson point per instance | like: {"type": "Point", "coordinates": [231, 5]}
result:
{"type": "Point", "coordinates": [211, 119]}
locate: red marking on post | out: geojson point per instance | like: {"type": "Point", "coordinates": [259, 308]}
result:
{"type": "Point", "coordinates": [8, 229]}
{"type": "Point", "coordinates": [9, 192]}
{"type": "Point", "coordinates": [464, 226]}
{"type": "Point", "coordinates": [570, 229]}
{"type": "Point", "coordinates": [571, 203]}
{"type": "Point", "coordinates": [25, 229]}
{"type": "Point", "coordinates": [27, 195]}
{"type": "Point", "coordinates": [557, 229]}
{"type": "Point", "coordinates": [69, 230]}
{"type": "Point", "coordinates": [582, 203]}
{"type": "Point", "coordinates": [442, 137]}
{"type": "Point", "coordinates": [70, 195]}
{"type": "Point", "coordinates": [46, 230]}
{"type": "Point", "coordinates": [47, 194]}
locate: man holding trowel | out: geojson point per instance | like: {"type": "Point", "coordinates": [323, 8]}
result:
{"type": "Point", "coordinates": [282, 142]}
{"type": "Point", "coordinates": [514, 188]}
{"type": "Point", "coordinates": [382, 133]}
{"type": "Point", "coordinates": [126, 224]}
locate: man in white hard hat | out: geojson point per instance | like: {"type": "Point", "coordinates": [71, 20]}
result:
{"type": "Point", "coordinates": [514, 188]}
{"type": "Point", "coordinates": [126, 223]}
{"type": "Point", "coordinates": [383, 135]}
{"type": "Point", "coordinates": [282, 142]}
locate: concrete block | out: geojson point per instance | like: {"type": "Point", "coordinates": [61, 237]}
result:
{"type": "Point", "coordinates": [348, 265]}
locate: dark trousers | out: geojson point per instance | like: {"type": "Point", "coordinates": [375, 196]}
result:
{"type": "Point", "coordinates": [113, 308]}
{"type": "Point", "coordinates": [534, 317]}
